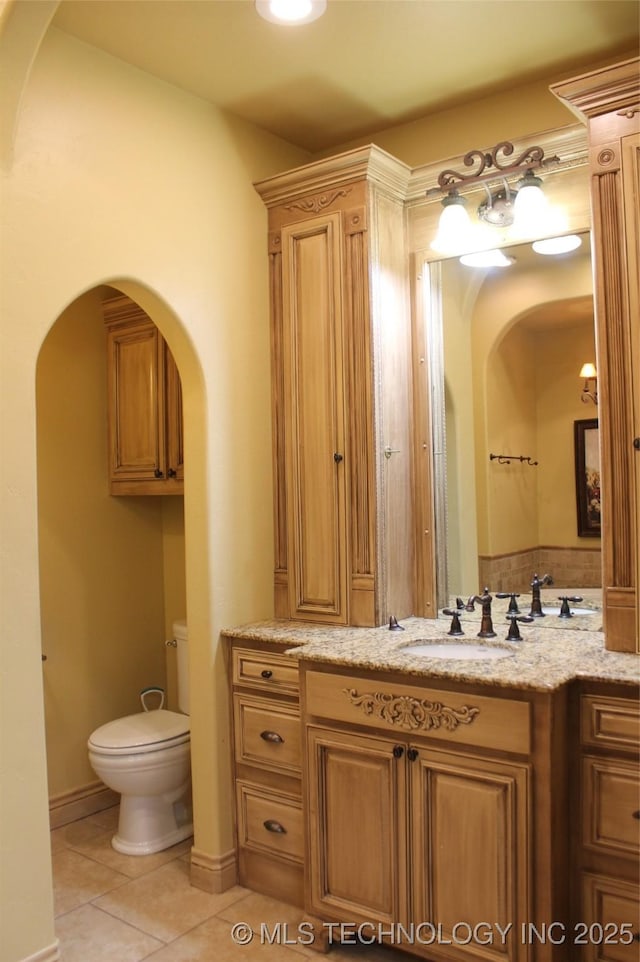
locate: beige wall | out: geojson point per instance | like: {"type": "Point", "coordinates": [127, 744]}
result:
{"type": "Point", "coordinates": [118, 178]}
{"type": "Point", "coordinates": [114, 177]}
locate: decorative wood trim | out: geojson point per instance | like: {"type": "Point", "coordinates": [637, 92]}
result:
{"type": "Point", "coordinates": [213, 873]}
{"type": "Point", "coordinates": [277, 402]}
{"type": "Point", "coordinates": [80, 802]}
{"type": "Point", "coordinates": [364, 163]}
{"type": "Point", "coordinates": [357, 335]}
{"type": "Point", "coordinates": [415, 714]}
{"type": "Point", "coordinates": [603, 91]}
{"type": "Point", "coordinates": [318, 203]}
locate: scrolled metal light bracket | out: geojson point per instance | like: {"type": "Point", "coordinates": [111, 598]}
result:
{"type": "Point", "coordinates": [491, 165]}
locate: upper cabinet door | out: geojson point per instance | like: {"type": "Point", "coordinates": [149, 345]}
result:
{"type": "Point", "coordinates": [135, 400]}
{"type": "Point", "coordinates": [314, 414]}
{"type": "Point", "coordinates": [144, 404]}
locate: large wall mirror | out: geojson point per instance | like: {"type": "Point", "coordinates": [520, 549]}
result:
{"type": "Point", "coordinates": [504, 347]}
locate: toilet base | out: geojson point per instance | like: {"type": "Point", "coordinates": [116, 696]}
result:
{"type": "Point", "coordinates": [150, 824]}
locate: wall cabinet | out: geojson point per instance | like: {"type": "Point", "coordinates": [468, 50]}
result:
{"type": "Point", "coordinates": [341, 350]}
{"type": "Point", "coordinates": [144, 404]}
{"type": "Point", "coordinates": [267, 759]}
{"type": "Point", "coordinates": [607, 844]}
{"type": "Point", "coordinates": [422, 806]}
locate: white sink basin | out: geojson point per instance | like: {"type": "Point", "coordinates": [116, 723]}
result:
{"type": "Point", "coordinates": [458, 651]}
{"type": "Point", "coordinates": [574, 611]}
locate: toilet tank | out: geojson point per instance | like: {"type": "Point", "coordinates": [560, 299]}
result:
{"type": "Point", "coordinates": [180, 636]}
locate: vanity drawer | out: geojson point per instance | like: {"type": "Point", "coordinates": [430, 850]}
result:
{"type": "Point", "coordinates": [611, 793]}
{"type": "Point", "coordinates": [269, 822]}
{"type": "Point", "coordinates": [268, 671]}
{"type": "Point", "coordinates": [614, 905]}
{"type": "Point", "coordinates": [267, 733]}
{"type": "Point", "coordinates": [494, 723]}
{"type": "Point", "coordinates": [610, 722]}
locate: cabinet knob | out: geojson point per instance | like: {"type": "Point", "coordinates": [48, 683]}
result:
{"type": "Point", "coordinates": [398, 751]}
{"type": "Point", "coordinates": [636, 814]}
{"type": "Point", "coordinates": [171, 472]}
{"type": "Point", "coordinates": [337, 457]}
{"type": "Point", "coordinates": [412, 754]}
{"type": "Point", "coordinates": [272, 737]}
{"type": "Point", "coordinates": [272, 826]}
{"type": "Point", "coordinates": [158, 473]}
{"type": "Point", "coordinates": [266, 673]}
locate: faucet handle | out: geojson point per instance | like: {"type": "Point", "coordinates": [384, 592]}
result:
{"type": "Point", "coordinates": [513, 604]}
{"type": "Point", "coordinates": [565, 611]}
{"type": "Point", "coordinates": [456, 627]}
{"type": "Point", "coordinates": [514, 632]}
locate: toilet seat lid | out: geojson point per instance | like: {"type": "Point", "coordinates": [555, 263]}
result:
{"type": "Point", "coordinates": [143, 731]}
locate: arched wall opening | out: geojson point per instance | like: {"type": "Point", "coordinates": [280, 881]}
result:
{"type": "Point", "coordinates": [112, 569]}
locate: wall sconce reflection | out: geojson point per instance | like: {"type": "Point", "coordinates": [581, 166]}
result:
{"type": "Point", "coordinates": [590, 389]}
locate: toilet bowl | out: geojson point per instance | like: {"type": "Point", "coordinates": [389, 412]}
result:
{"type": "Point", "coordinates": [146, 758]}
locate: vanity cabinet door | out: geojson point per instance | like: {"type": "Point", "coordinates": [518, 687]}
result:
{"type": "Point", "coordinates": [469, 852]}
{"type": "Point", "coordinates": [356, 826]}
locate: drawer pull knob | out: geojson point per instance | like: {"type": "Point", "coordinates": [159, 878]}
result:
{"type": "Point", "coordinates": [636, 814]}
{"type": "Point", "coordinates": [272, 737]}
{"type": "Point", "coordinates": [636, 936]}
{"type": "Point", "coordinates": [266, 673]}
{"type": "Point", "coordinates": [398, 751]}
{"type": "Point", "coordinates": [272, 826]}
{"type": "Point", "coordinates": [412, 754]}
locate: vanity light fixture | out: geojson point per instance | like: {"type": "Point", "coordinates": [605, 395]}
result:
{"type": "Point", "coordinates": [520, 205]}
{"type": "Point", "coordinates": [291, 12]}
{"type": "Point", "coordinates": [490, 258]}
{"type": "Point", "coordinates": [557, 245]}
{"type": "Point", "coordinates": [590, 389]}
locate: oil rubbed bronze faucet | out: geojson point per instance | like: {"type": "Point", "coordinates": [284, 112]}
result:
{"type": "Point", "coordinates": [536, 604]}
{"type": "Point", "coordinates": [486, 622]}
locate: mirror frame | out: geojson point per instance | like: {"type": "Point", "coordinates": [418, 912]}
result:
{"type": "Point", "coordinates": [566, 183]}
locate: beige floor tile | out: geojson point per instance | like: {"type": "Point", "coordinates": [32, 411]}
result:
{"type": "Point", "coordinates": [107, 818]}
{"type": "Point", "coordinates": [213, 942]}
{"type": "Point", "coordinates": [164, 903]}
{"type": "Point", "coordinates": [89, 935]}
{"type": "Point", "coordinates": [98, 846]}
{"type": "Point", "coordinates": [256, 909]}
{"type": "Point", "coordinates": [74, 833]}
{"type": "Point", "coordinates": [77, 880]}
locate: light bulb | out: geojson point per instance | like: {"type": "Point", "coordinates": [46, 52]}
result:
{"type": "Point", "coordinates": [291, 12]}
{"type": "Point", "coordinates": [454, 226]}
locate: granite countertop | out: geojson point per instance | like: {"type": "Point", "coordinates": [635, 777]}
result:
{"type": "Point", "coordinates": [542, 661]}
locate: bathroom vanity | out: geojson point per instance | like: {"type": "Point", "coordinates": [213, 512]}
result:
{"type": "Point", "coordinates": [424, 796]}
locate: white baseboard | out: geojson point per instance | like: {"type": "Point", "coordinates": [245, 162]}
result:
{"type": "Point", "coordinates": [80, 802]}
{"type": "Point", "coordinates": [50, 954]}
{"type": "Point", "coordinates": [213, 873]}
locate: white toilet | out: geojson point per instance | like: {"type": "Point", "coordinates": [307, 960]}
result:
{"type": "Point", "coordinates": [146, 757]}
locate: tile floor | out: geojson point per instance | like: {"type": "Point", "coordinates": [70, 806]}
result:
{"type": "Point", "coordinates": [121, 908]}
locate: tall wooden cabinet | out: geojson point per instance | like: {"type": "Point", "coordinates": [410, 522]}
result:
{"type": "Point", "coordinates": [341, 352]}
{"type": "Point", "coordinates": [144, 404]}
{"type": "Point", "coordinates": [609, 99]}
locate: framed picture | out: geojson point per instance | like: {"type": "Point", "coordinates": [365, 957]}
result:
{"type": "Point", "coordinates": [587, 451]}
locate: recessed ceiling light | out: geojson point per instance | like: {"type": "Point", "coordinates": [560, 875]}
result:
{"type": "Point", "coordinates": [557, 245]}
{"type": "Point", "coordinates": [291, 12]}
{"type": "Point", "coordinates": [493, 258]}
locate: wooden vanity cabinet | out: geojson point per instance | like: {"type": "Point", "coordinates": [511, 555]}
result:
{"type": "Point", "coordinates": [341, 375]}
{"type": "Point", "coordinates": [434, 806]}
{"type": "Point", "coordinates": [607, 837]}
{"type": "Point", "coordinates": [267, 766]}
{"type": "Point", "coordinates": [144, 404]}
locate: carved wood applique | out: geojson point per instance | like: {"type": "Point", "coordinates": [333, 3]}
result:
{"type": "Point", "coordinates": [411, 713]}
{"type": "Point", "coordinates": [319, 202]}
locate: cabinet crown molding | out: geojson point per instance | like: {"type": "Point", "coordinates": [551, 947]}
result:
{"type": "Point", "coordinates": [602, 91]}
{"type": "Point", "coordinates": [363, 163]}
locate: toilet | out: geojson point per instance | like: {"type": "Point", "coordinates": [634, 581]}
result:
{"type": "Point", "coordinates": [146, 758]}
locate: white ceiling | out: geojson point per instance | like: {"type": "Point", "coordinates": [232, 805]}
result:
{"type": "Point", "coordinates": [364, 66]}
